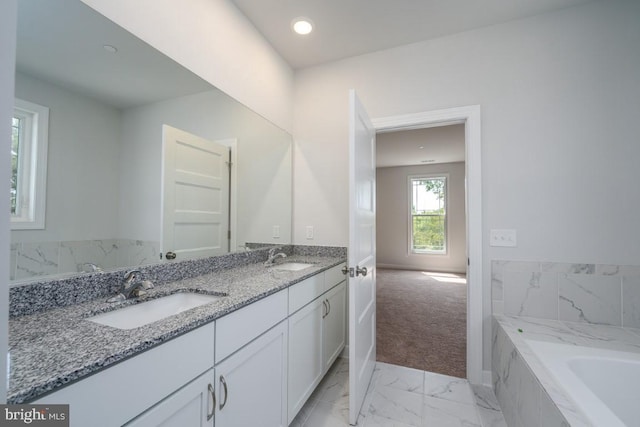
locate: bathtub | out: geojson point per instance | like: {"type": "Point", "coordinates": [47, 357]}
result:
{"type": "Point", "coordinates": [603, 384]}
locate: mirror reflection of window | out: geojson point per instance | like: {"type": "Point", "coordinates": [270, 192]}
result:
{"type": "Point", "coordinates": [29, 140]}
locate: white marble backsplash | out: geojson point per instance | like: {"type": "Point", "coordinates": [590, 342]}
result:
{"type": "Point", "coordinates": [28, 260]}
{"type": "Point", "coordinates": [588, 293]}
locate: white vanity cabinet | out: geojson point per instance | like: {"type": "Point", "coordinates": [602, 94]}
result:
{"type": "Point", "coordinates": [251, 364]}
{"type": "Point", "coordinates": [255, 366]}
{"type": "Point", "coordinates": [193, 405]}
{"type": "Point", "coordinates": [252, 383]}
{"type": "Point", "coordinates": [116, 395]}
{"type": "Point", "coordinates": [317, 333]}
{"type": "Point", "coordinates": [305, 354]}
{"type": "Point", "coordinates": [334, 331]}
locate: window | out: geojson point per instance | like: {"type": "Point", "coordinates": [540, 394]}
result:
{"type": "Point", "coordinates": [428, 217]}
{"type": "Point", "coordinates": [29, 136]}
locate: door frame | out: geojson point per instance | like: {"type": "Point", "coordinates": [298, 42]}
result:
{"type": "Point", "coordinates": [470, 117]}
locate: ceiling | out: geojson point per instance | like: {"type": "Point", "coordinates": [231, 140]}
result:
{"type": "Point", "coordinates": [344, 28]}
{"type": "Point", "coordinates": [62, 42]}
{"type": "Point", "coordinates": [443, 144]}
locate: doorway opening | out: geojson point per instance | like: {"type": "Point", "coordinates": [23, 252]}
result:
{"type": "Point", "coordinates": [422, 262]}
{"type": "Point", "coordinates": [469, 117]}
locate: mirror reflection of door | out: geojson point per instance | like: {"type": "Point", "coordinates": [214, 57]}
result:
{"type": "Point", "coordinates": [195, 195]}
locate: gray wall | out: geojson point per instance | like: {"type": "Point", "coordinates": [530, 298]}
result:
{"type": "Point", "coordinates": [392, 219]}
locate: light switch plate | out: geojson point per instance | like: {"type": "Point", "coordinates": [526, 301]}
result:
{"type": "Point", "coordinates": [276, 232]}
{"type": "Point", "coordinates": [503, 238]}
{"type": "Point", "coordinates": [309, 232]}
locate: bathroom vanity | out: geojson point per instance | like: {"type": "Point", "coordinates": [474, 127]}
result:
{"type": "Point", "coordinates": [251, 357]}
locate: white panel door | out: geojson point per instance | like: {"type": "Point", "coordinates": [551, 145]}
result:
{"type": "Point", "coordinates": [362, 254]}
{"type": "Point", "coordinates": [195, 195]}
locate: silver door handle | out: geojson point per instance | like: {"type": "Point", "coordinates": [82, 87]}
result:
{"type": "Point", "coordinates": [362, 271]}
{"type": "Point", "coordinates": [226, 392]}
{"type": "Point", "coordinates": [212, 394]}
{"type": "Point", "coordinates": [328, 305]}
{"type": "Point", "coordinates": [325, 310]}
{"type": "Point", "coordinates": [345, 270]}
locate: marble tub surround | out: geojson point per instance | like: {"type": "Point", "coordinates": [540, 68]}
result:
{"type": "Point", "coordinates": [528, 394]}
{"type": "Point", "coordinates": [53, 347]}
{"type": "Point", "coordinates": [586, 293]}
{"type": "Point", "coordinates": [34, 296]}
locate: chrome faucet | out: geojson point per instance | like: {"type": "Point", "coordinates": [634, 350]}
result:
{"type": "Point", "coordinates": [273, 256]}
{"type": "Point", "coordinates": [131, 286]}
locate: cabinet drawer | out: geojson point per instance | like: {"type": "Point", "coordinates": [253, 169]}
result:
{"type": "Point", "coordinates": [333, 276]}
{"type": "Point", "coordinates": [235, 330]}
{"type": "Point", "coordinates": [306, 291]}
{"type": "Point", "coordinates": [147, 378]}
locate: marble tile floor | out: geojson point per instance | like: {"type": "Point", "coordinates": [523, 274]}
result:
{"type": "Point", "coordinates": [401, 397]}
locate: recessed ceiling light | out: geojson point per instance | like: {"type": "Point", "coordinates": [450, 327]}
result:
{"type": "Point", "coordinates": [302, 25]}
{"type": "Point", "coordinates": [110, 49]}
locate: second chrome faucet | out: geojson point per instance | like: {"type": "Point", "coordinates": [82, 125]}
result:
{"type": "Point", "coordinates": [273, 256]}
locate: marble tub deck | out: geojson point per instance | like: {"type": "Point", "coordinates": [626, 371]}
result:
{"type": "Point", "coordinates": [518, 329]}
{"type": "Point", "coordinates": [401, 397]}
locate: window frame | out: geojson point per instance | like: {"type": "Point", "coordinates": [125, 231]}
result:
{"type": "Point", "coordinates": [32, 166]}
{"type": "Point", "coordinates": [411, 249]}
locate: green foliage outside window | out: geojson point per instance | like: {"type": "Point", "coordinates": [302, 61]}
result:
{"type": "Point", "coordinates": [428, 232]}
{"type": "Point", "coordinates": [428, 214]}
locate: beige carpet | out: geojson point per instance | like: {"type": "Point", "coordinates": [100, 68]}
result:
{"type": "Point", "coordinates": [421, 320]}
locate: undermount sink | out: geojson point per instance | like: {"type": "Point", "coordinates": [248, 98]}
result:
{"type": "Point", "coordinates": [137, 315]}
{"type": "Point", "coordinates": [292, 266]}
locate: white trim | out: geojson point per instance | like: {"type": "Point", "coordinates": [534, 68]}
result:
{"type": "Point", "coordinates": [35, 166]}
{"type": "Point", "coordinates": [487, 378]}
{"type": "Point", "coordinates": [232, 143]}
{"type": "Point", "coordinates": [420, 268]}
{"type": "Point", "coordinates": [470, 116]}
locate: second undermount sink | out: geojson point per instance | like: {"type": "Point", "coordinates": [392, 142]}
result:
{"type": "Point", "coordinates": [292, 266]}
{"type": "Point", "coordinates": [137, 315]}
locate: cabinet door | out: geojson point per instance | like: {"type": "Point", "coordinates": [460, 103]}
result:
{"type": "Point", "coordinates": [335, 322]}
{"type": "Point", "coordinates": [192, 405]}
{"type": "Point", "coordinates": [252, 383]}
{"type": "Point", "coordinates": [305, 354]}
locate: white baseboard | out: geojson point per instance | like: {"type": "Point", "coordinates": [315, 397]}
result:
{"type": "Point", "coordinates": [345, 352]}
{"type": "Point", "coordinates": [419, 268]}
{"type": "Point", "coordinates": [487, 378]}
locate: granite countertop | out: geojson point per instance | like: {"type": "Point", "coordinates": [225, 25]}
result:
{"type": "Point", "coordinates": [53, 348]}
{"type": "Point", "coordinates": [521, 329]}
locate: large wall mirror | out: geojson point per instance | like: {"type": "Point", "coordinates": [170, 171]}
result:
{"type": "Point", "coordinates": [114, 104]}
